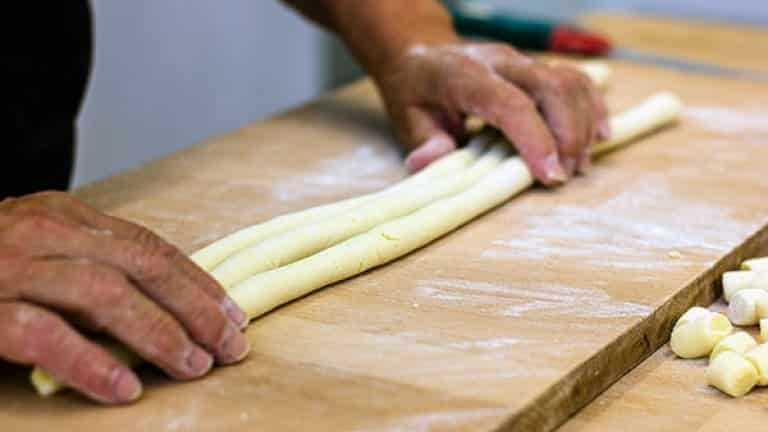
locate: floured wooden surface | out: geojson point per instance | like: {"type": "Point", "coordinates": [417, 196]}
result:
{"type": "Point", "coordinates": [520, 317]}
{"type": "Point", "coordinates": [733, 45]}
{"type": "Point", "coordinates": [668, 394]}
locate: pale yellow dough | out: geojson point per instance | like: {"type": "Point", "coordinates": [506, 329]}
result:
{"type": "Point", "coordinates": [697, 338]}
{"type": "Point", "coordinates": [692, 314]}
{"type": "Point", "coordinates": [756, 264]}
{"type": "Point", "coordinates": [265, 291]}
{"type": "Point", "coordinates": [311, 238]}
{"type": "Point", "coordinates": [732, 374]}
{"type": "Point", "coordinates": [736, 281]}
{"type": "Point", "coordinates": [213, 254]}
{"type": "Point", "coordinates": [748, 306]}
{"type": "Point", "coordinates": [739, 342]}
{"type": "Point", "coordinates": [759, 358]}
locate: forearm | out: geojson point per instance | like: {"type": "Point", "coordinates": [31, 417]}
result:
{"type": "Point", "coordinates": [379, 32]}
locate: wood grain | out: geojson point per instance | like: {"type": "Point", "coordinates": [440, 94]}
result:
{"type": "Point", "coordinates": [517, 320]}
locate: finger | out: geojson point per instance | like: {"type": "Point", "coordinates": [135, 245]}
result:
{"type": "Point", "coordinates": [153, 270]}
{"type": "Point", "coordinates": [108, 301]}
{"type": "Point", "coordinates": [600, 108]}
{"type": "Point", "coordinates": [509, 109]}
{"type": "Point", "coordinates": [421, 131]}
{"type": "Point", "coordinates": [33, 335]}
{"type": "Point", "coordinates": [110, 226]}
{"type": "Point", "coordinates": [559, 95]}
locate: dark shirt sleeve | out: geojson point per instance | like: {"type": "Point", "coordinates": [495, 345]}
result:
{"type": "Point", "coordinates": [45, 59]}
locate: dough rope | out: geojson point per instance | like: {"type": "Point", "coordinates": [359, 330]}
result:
{"type": "Point", "coordinates": [265, 291]}
{"type": "Point", "coordinates": [213, 254]}
{"type": "Point", "coordinates": [312, 238]}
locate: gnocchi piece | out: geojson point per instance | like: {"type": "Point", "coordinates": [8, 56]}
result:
{"type": "Point", "coordinates": [739, 342]}
{"type": "Point", "coordinates": [692, 314]}
{"type": "Point", "coordinates": [748, 306]}
{"type": "Point", "coordinates": [764, 329]}
{"type": "Point", "coordinates": [732, 374]}
{"type": "Point", "coordinates": [697, 338]}
{"type": "Point", "coordinates": [736, 281]}
{"type": "Point", "coordinates": [758, 356]}
{"type": "Point", "coordinates": [755, 264]}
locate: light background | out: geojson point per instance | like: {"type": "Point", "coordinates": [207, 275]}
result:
{"type": "Point", "coordinates": [170, 73]}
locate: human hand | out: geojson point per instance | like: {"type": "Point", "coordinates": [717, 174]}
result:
{"type": "Point", "coordinates": [552, 114]}
{"type": "Point", "coordinates": [61, 260]}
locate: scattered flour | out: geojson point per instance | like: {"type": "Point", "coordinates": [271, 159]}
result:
{"type": "Point", "coordinates": [729, 120]}
{"type": "Point", "coordinates": [438, 420]}
{"type": "Point", "coordinates": [487, 344]}
{"type": "Point", "coordinates": [629, 231]}
{"type": "Point", "coordinates": [516, 299]}
{"type": "Point", "coordinates": [355, 169]}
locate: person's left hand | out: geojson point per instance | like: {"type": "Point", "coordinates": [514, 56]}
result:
{"type": "Point", "coordinates": [551, 114]}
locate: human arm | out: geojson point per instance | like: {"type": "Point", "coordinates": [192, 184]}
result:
{"type": "Point", "coordinates": [66, 268]}
{"type": "Point", "coordinates": [430, 79]}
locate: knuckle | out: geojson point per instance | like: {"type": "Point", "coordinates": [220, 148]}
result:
{"type": "Point", "coordinates": [108, 288]}
{"type": "Point", "coordinates": [164, 340]}
{"type": "Point", "coordinates": [33, 330]}
{"type": "Point", "coordinates": [154, 259]}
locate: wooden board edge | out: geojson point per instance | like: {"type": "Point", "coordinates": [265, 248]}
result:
{"type": "Point", "coordinates": [591, 378]}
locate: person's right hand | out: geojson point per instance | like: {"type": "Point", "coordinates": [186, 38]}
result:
{"type": "Point", "coordinates": [60, 260]}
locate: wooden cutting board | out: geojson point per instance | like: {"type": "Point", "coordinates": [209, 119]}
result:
{"type": "Point", "coordinates": [721, 43]}
{"type": "Point", "coordinates": [518, 319]}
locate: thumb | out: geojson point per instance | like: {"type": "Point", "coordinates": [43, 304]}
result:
{"type": "Point", "coordinates": [422, 132]}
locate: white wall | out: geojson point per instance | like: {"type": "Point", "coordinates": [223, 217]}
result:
{"type": "Point", "coordinates": [169, 73]}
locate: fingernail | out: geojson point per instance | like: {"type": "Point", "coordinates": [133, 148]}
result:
{"type": "Point", "coordinates": [127, 387]}
{"type": "Point", "coordinates": [553, 170]}
{"type": "Point", "coordinates": [235, 313]}
{"type": "Point", "coordinates": [199, 362]}
{"type": "Point", "coordinates": [235, 346]}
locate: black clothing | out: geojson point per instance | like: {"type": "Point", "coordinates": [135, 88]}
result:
{"type": "Point", "coordinates": [45, 58]}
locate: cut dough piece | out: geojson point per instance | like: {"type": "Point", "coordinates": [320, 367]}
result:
{"type": "Point", "coordinates": [309, 239]}
{"type": "Point", "coordinates": [732, 374]}
{"type": "Point", "coordinates": [748, 306]}
{"type": "Point", "coordinates": [739, 342]}
{"type": "Point", "coordinates": [756, 264]}
{"type": "Point", "coordinates": [692, 314]}
{"type": "Point", "coordinates": [758, 356]}
{"type": "Point", "coordinates": [697, 338]}
{"type": "Point", "coordinates": [736, 281]}
{"type": "Point", "coordinates": [213, 254]}
{"type": "Point", "coordinates": [265, 291]}
{"type": "Point", "coordinates": [764, 329]}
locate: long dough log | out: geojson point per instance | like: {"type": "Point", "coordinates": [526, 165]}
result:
{"type": "Point", "coordinates": [314, 237]}
{"type": "Point", "coordinates": [265, 291]}
{"type": "Point", "coordinates": [389, 240]}
{"type": "Point", "coordinates": [213, 254]}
